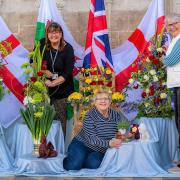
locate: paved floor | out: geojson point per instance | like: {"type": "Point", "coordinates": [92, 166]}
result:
{"type": "Point", "coordinates": [82, 178]}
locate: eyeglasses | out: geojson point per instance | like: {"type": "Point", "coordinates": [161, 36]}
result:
{"type": "Point", "coordinates": [174, 23]}
{"type": "Point", "coordinates": [102, 99]}
{"type": "Point", "coordinates": [54, 32]}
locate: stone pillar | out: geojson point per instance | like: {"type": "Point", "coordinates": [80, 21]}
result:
{"type": "Point", "coordinates": [109, 7]}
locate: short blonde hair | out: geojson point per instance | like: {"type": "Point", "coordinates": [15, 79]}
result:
{"type": "Point", "coordinates": [102, 91]}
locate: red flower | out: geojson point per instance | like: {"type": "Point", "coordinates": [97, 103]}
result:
{"type": "Point", "coordinates": [151, 57]}
{"type": "Point", "coordinates": [143, 94]}
{"type": "Point", "coordinates": [151, 93]}
{"type": "Point", "coordinates": [33, 79]}
{"type": "Point", "coordinates": [156, 61]}
{"type": "Point", "coordinates": [25, 85]}
{"type": "Point", "coordinates": [157, 100]}
{"type": "Point", "coordinates": [44, 62]}
{"type": "Point", "coordinates": [40, 73]}
{"type": "Point", "coordinates": [135, 87]}
{"type": "Point", "coordinates": [43, 67]}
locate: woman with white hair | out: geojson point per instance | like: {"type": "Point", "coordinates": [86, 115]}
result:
{"type": "Point", "coordinates": [87, 149]}
{"type": "Point", "coordinates": [172, 61]}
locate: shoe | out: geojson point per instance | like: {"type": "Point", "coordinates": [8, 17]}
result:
{"type": "Point", "coordinates": [174, 170]}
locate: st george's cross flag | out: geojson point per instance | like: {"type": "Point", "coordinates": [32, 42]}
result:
{"type": "Point", "coordinates": [125, 56]}
{"type": "Point", "coordinates": [12, 75]}
{"type": "Point", "coordinates": [97, 48]}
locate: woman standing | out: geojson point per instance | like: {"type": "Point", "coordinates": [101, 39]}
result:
{"type": "Point", "coordinates": [59, 58]}
{"type": "Point", "coordinates": [87, 149]}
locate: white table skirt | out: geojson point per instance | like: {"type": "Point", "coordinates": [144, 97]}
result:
{"type": "Point", "coordinates": [22, 142]}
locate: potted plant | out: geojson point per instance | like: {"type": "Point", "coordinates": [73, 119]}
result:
{"type": "Point", "coordinates": [123, 126]}
{"type": "Point", "coordinates": [38, 114]}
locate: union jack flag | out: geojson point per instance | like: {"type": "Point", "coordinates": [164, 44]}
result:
{"type": "Point", "coordinates": [97, 49]}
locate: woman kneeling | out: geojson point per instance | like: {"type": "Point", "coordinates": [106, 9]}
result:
{"type": "Point", "coordinates": [87, 149]}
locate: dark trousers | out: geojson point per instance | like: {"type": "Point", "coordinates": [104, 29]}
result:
{"type": "Point", "coordinates": [60, 106]}
{"type": "Point", "coordinates": [177, 108]}
{"type": "Point", "coordinates": [80, 156]}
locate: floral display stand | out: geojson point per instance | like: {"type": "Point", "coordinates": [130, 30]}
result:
{"type": "Point", "coordinates": [90, 81]}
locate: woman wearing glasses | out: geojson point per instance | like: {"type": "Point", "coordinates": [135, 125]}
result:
{"type": "Point", "coordinates": [59, 60]}
{"type": "Point", "coordinates": [172, 61]}
{"type": "Point", "coordinates": [87, 149]}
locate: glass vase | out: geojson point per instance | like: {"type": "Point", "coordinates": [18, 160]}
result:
{"type": "Point", "coordinates": [36, 145]}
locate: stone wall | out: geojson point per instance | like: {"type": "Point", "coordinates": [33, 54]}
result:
{"type": "Point", "coordinates": [123, 16]}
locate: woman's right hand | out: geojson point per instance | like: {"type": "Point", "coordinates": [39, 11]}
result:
{"type": "Point", "coordinates": [48, 74]}
{"type": "Point", "coordinates": [114, 143]}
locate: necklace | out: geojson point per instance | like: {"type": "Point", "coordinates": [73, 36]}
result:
{"type": "Point", "coordinates": [53, 59]}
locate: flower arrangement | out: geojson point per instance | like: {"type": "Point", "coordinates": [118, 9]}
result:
{"type": "Point", "coordinates": [151, 79]}
{"type": "Point", "coordinates": [75, 97]}
{"type": "Point", "coordinates": [38, 113]}
{"type": "Point", "coordinates": [5, 49]}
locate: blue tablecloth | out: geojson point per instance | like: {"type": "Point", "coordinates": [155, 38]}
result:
{"type": "Point", "coordinates": [22, 142]}
{"type": "Point", "coordinates": [134, 158]}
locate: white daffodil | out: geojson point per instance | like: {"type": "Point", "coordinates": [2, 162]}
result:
{"type": "Point", "coordinates": [152, 72]}
{"type": "Point", "coordinates": [147, 91]}
{"type": "Point", "coordinates": [155, 78]}
{"type": "Point", "coordinates": [27, 100]}
{"type": "Point", "coordinates": [163, 95]}
{"type": "Point", "coordinates": [146, 77]}
{"type": "Point", "coordinates": [131, 81]}
{"type": "Point", "coordinates": [1, 79]}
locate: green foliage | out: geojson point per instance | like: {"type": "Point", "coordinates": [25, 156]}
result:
{"type": "Point", "coordinates": [124, 124]}
{"type": "Point", "coordinates": [38, 118]}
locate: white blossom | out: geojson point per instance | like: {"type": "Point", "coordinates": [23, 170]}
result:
{"type": "Point", "coordinates": [131, 81]}
{"type": "Point", "coordinates": [163, 95]}
{"type": "Point", "coordinates": [146, 104]}
{"type": "Point", "coordinates": [146, 77]}
{"type": "Point", "coordinates": [27, 100]}
{"type": "Point", "coordinates": [152, 72]}
{"type": "Point", "coordinates": [155, 78]}
{"type": "Point", "coordinates": [147, 59]}
{"type": "Point", "coordinates": [147, 91]}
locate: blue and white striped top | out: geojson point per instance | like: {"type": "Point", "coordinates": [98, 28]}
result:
{"type": "Point", "coordinates": [174, 57]}
{"type": "Point", "coordinates": [97, 130]}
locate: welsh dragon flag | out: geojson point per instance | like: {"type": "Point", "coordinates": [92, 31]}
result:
{"type": "Point", "coordinates": [12, 55]}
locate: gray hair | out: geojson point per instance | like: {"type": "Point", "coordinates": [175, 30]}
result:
{"type": "Point", "coordinates": [102, 92]}
{"type": "Point", "coordinates": [173, 18]}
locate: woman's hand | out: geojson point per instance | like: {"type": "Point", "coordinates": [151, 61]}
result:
{"type": "Point", "coordinates": [48, 83]}
{"type": "Point", "coordinates": [48, 74]}
{"type": "Point", "coordinates": [114, 143]}
{"type": "Point", "coordinates": [55, 82]}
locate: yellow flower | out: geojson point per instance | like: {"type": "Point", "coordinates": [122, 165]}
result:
{"type": "Point", "coordinates": [88, 81]}
{"type": "Point", "coordinates": [134, 129]}
{"type": "Point", "coordinates": [108, 71]}
{"type": "Point", "coordinates": [74, 96]}
{"type": "Point", "coordinates": [102, 68]}
{"type": "Point", "coordinates": [38, 115]}
{"type": "Point", "coordinates": [117, 96]}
